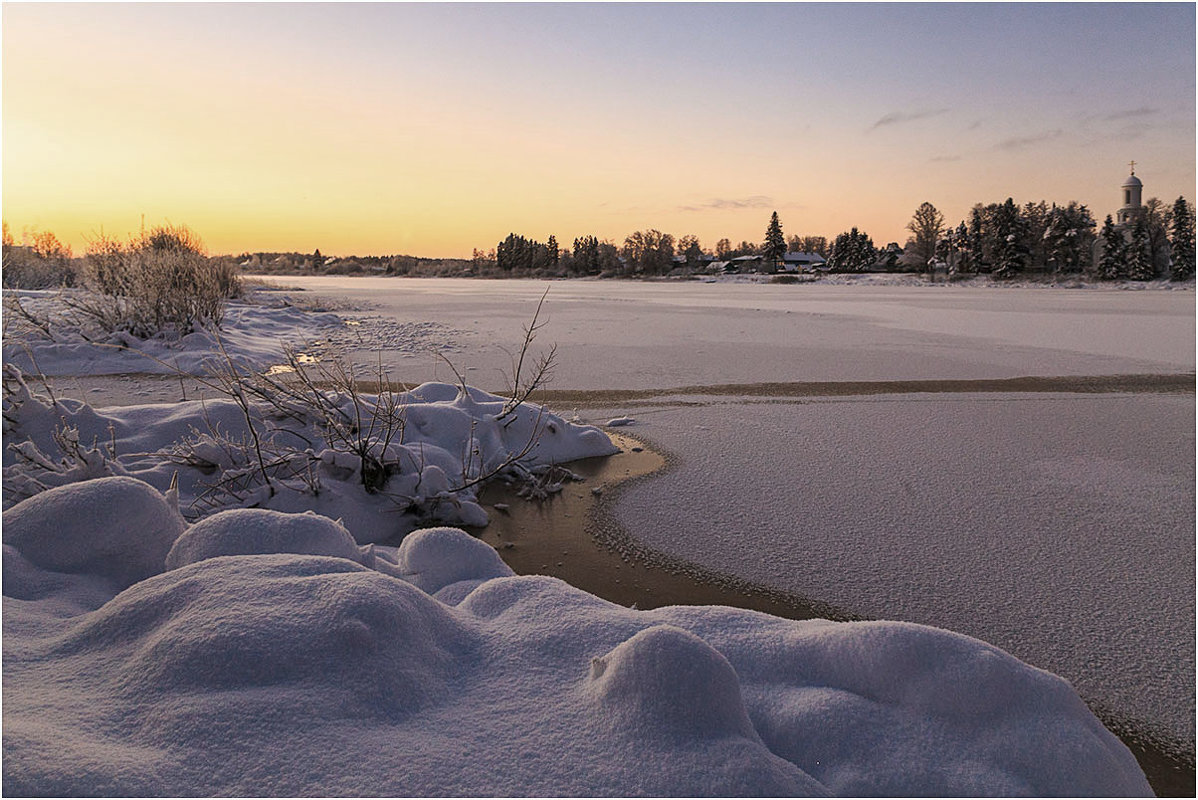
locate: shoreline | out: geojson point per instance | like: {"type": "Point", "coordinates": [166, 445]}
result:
{"type": "Point", "coordinates": [575, 537]}
{"type": "Point", "coordinates": [1034, 280]}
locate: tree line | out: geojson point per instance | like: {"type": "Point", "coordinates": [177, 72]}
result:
{"type": "Point", "coordinates": [1000, 239]}
{"type": "Point", "coordinates": [645, 252]}
{"type": "Point", "coordinates": [1006, 239]}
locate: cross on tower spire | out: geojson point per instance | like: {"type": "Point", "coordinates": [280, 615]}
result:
{"type": "Point", "coordinates": [1133, 167]}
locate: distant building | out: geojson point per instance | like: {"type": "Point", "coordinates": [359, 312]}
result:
{"type": "Point", "coordinates": [1133, 190]}
{"type": "Point", "coordinates": [744, 264]}
{"type": "Point", "coordinates": [802, 262]}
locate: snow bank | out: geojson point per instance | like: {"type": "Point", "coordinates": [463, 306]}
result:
{"type": "Point", "coordinates": [117, 528]}
{"type": "Point", "coordinates": [312, 674]}
{"type": "Point", "coordinates": [435, 559]}
{"type": "Point", "coordinates": [253, 531]}
{"type": "Point", "coordinates": [252, 332]}
{"type": "Point", "coordinates": [383, 465]}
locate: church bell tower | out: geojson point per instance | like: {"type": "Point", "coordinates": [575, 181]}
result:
{"type": "Point", "coordinates": [1132, 190]}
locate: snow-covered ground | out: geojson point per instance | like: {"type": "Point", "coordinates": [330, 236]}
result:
{"type": "Point", "coordinates": [253, 332]}
{"type": "Point", "coordinates": [260, 652]}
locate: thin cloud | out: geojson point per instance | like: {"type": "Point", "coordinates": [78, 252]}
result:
{"type": "Point", "coordinates": [1142, 111]}
{"type": "Point", "coordinates": [1020, 142]}
{"type": "Point", "coordinates": [943, 159]}
{"type": "Point", "coordinates": [900, 117]}
{"type": "Point", "coordinates": [723, 203]}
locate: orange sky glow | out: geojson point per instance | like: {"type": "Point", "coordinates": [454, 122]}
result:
{"type": "Point", "coordinates": [431, 130]}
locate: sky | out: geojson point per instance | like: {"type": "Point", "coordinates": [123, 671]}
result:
{"type": "Point", "coordinates": [433, 129]}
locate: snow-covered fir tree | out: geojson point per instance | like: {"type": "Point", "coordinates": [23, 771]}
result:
{"type": "Point", "coordinates": [775, 242]}
{"type": "Point", "coordinates": [1182, 241]}
{"type": "Point", "coordinates": [1111, 264]}
{"type": "Point", "coordinates": [1011, 252]}
{"type": "Point", "coordinates": [1139, 259]}
{"type": "Point", "coordinates": [1068, 237]}
{"type": "Point", "coordinates": [977, 238]}
{"type": "Point", "coordinates": [852, 252]}
{"type": "Point", "coordinates": [964, 249]}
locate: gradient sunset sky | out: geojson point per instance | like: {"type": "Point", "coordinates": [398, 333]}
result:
{"type": "Point", "coordinates": [434, 129]}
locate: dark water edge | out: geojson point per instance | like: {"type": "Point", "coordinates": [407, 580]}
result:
{"type": "Point", "coordinates": [575, 537]}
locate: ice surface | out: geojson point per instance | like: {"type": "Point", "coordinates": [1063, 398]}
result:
{"type": "Point", "coordinates": [635, 335]}
{"type": "Point", "coordinates": [296, 674]}
{"type": "Point", "coordinates": [1060, 529]}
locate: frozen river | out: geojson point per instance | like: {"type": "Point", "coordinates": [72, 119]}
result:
{"type": "Point", "coordinates": [625, 335]}
{"type": "Point", "coordinates": [1059, 526]}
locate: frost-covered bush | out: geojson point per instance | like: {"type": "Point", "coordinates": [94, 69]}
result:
{"type": "Point", "coordinates": [384, 463]}
{"type": "Point", "coordinates": [40, 262]}
{"type": "Point", "coordinates": [160, 284]}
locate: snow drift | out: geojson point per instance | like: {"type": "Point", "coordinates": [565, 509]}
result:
{"type": "Point", "coordinates": [265, 653]}
{"type": "Point", "coordinates": [383, 464]}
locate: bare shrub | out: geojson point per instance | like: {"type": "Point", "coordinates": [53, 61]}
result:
{"type": "Point", "coordinates": [39, 262]}
{"type": "Point", "coordinates": [160, 283]}
{"type": "Point", "coordinates": [522, 385]}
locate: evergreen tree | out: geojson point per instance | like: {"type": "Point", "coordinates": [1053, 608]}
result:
{"type": "Point", "coordinates": [518, 254]}
{"type": "Point", "coordinates": [1110, 264]}
{"type": "Point", "coordinates": [317, 260]}
{"type": "Point", "coordinates": [852, 252]}
{"type": "Point", "coordinates": [977, 238]}
{"type": "Point", "coordinates": [1139, 259]}
{"type": "Point", "coordinates": [1035, 222]}
{"type": "Point", "coordinates": [964, 249]}
{"type": "Point", "coordinates": [946, 248]}
{"type": "Point", "coordinates": [838, 258]}
{"type": "Point", "coordinates": [553, 250]}
{"type": "Point", "coordinates": [586, 255]}
{"type": "Point", "coordinates": [890, 256]}
{"type": "Point", "coordinates": [1182, 241]}
{"type": "Point", "coordinates": [1157, 219]}
{"type": "Point", "coordinates": [775, 242]}
{"type": "Point", "coordinates": [1010, 232]}
{"type": "Point", "coordinates": [1069, 238]}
